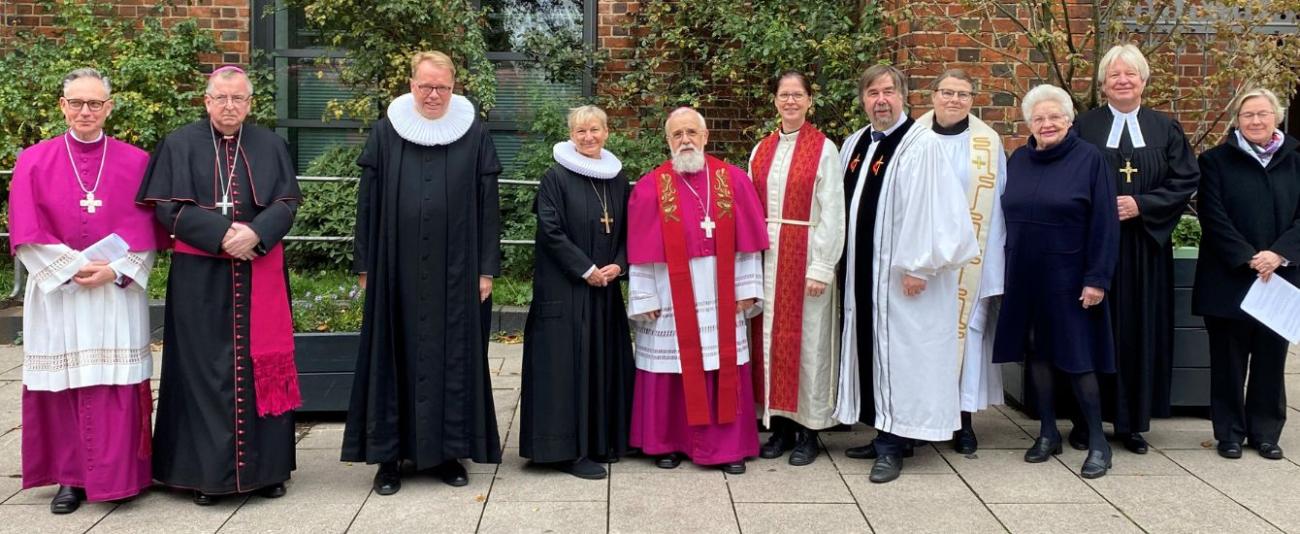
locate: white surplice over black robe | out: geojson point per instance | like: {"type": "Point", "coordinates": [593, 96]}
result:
{"type": "Point", "coordinates": [428, 226]}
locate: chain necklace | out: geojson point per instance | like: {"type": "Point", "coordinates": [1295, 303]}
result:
{"type": "Point", "coordinates": [227, 181]}
{"type": "Point", "coordinates": [90, 202]}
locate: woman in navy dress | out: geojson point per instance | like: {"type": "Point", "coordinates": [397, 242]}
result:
{"type": "Point", "coordinates": [1062, 245]}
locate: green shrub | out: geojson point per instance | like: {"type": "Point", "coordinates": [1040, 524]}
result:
{"type": "Point", "coordinates": [1188, 232]}
{"type": "Point", "coordinates": [328, 209]}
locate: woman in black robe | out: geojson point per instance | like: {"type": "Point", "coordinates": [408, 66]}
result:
{"type": "Point", "coordinates": [578, 367]}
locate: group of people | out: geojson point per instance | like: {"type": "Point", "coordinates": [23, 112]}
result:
{"type": "Point", "coordinates": [879, 281]}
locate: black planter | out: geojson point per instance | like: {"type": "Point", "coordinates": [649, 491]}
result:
{"type": "Point", "coordinates": [326, 362]}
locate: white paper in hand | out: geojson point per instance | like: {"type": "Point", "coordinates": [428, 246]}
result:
{"type": "Point", "coordinates": [1276, 303]}
{"type": "Point", "coordinates": [110, 249]}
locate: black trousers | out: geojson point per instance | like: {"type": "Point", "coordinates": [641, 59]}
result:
{"type": "Point", "coordinates": [1240, 411]}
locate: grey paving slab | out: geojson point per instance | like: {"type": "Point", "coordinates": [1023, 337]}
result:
{"type": "Point", "coordinates": [167, 512]}
{"type": "Point", "coordinates": [1270, 488]}
{"type": "Point", "coordinates": [424, 505]}
{"type": "Point", "coordinates": [1063, 518]}
{"type": "Point", "coordinates": [646, 465]}
{"type": "Point", "coordinates": [9, 486]}
{"type": "Point", "coordinates": [262, 516]}
{"type": "Point", "coordinates": [1177, 504]}
{"type": "Point", "coordinates": [778, 518]}
{"type": "Point", "coordinates": [322, 436]}
{"type": "Point", "coordinates": [776, 481]}
{"type": "Point", "coordinates": [922, 503]}
{"type": "Point", "coordinates": [1176, 439]}
{"type": "Point", "coordinates": [519, 480]}
{"type": "Point", "coordinates": [672, 502]}
{"type": "Point", "coordinates": [995, 430]}
{"type": "Point", "coordinates": [1002, 476]}
{"type": "Point", "coordinates": [544, 517]}
{"type": "Point", "coordinates": [37, 519]}
{"type": "Point", "coordinates": [1154, 462]}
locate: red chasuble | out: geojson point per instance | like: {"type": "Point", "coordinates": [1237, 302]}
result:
{"type": "Point", "coordinates": [792, 259]}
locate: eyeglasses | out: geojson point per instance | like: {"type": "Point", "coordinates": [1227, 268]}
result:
{"type": "Point", "coordinates": [226, 100]}
{"type": "Point", "coordinates": [962, 96]}
{"type": "Point", "coordinates": [791, 97]}
{"type": "Point", "coordinates": [1261, 115]}
{"type": "Point", "coordinates": [94, 105]}
{"type": "Point", "coordinates": [424, 90]}
{"type": "Point", "coordinates": [1055, 118]}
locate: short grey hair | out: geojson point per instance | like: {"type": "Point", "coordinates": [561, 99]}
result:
{"type": "Point", "coordinates": [584, 114]}
{"type": "Point", "coordinates": [1046, 93]}
{"type": "Point", "coordinates": [226, 74]}
{"type": "Point", "coordinates": [878, 71]}
{"type": "Point", "coordinates": [1279, 112]}
{"type": "Point", "coordinates": [682, 111]}
{"type": "Point", "coordinates": [1129, 54]}
{"type": "Point", "coordinates": [87, 72]}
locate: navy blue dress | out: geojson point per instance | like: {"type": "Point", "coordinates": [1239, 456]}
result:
{"type": "Point", "coordinates": [1062, 235]}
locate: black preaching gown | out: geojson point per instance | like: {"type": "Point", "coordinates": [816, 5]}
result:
{"type": "Point", "coordinates": [1142, 294]}
{"type": "Point", "coordinates": [208, 436]}
{"type": "Point", "coordinates": [428, 225]}
{"type": "Point", "coordinates": [578, 367]}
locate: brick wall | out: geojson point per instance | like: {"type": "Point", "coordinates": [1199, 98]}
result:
{"type": "Point", "coordinates": [228, 20]}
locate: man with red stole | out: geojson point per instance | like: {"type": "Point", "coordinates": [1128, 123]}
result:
{"type": "Point", "coordinates": [86, 358]}
{"type": "Point", "coordinates": [695, 265]}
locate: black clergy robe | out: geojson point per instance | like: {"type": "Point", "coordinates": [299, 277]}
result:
{"type": "Point", "coordinates": [428, 225]}
{"type": "Point", "coordinates": [1142, 295]}
{"type": "Point", "coordinates": [208, 436]}
{"type": "Point", "coordinates": [578, 366]}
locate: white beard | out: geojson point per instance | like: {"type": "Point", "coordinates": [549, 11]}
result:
{"type": "Point", "coordinates": [688, 161]}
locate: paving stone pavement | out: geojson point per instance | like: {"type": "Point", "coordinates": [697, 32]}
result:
{"type": "Point", "coordinates": [1181, 486]}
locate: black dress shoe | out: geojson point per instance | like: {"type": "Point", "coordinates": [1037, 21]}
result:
{"type": "Point", "coordinates": [1136, 444]}
{"type": "Point", "coordinates": [203, 499]}
{"type": "Point", "coordinates": [805, 448]}
{"type": "Point", "coordinates": [669, 461]}
{"type": "Point", "coordinates": [452, 473]}
{"type": "Point", "coordinates": [886, 468]}
{"type": "Point", "coordinates": [868, 452]}
{"type": "Point", "coordinates": [1268, 450]}
{"type": "Point", "coordinates": [777, 444]}
{"type": "Point", "coordinates": [389, 479]}
{"type": "Point", "coordinates": [1096, 465]}
{"type": "Point", "coordinates": [1230, 450]}
{"type": "Point", "coordinates": [1042, 450]}
{"type": "Point", "coordinates": [67, 500]}
{"type": "Point", "coordinates": [583, 468]}
{"type": "Point", "coordinates": [734, 468]}
{"type": "Point", "coordinates": [274, 491]}
{"type": "Point", "coordinates": [964, 442]}
{"type": "Point", "coordinates": [1078, 438]}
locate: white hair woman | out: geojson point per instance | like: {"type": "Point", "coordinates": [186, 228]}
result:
{"type": "Point", "coordinates": [578, 368]}
{"type": "Point", "coordinates": [1155, 176]}
{"type": "Point", "coordinates": [1250, 221]}
{"type": "Point", "coordinates": [1062, 238]}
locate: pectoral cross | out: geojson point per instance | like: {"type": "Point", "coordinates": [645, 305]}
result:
{"type": "Point", "coordinates": [708, 225]}
{"type": "Point", "coordinates": [225, 205]}
{"type": "Point", "coordinates": [90, 203]}
{"type": "Point", "coordinates": [605, 218]}
{"type": "Point", "coordinates": [1128, 171]}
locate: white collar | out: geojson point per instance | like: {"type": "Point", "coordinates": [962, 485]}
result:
{"type": "Point", "coordinates": [417, 129]}
{"type": "Point", "coordinates": [91, 142]}
{"type": "Point", "coordinates": [1129, 119]}
{"type": "Point", "coordinates": [605, 168]}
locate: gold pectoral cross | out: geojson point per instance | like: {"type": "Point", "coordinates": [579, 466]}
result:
{"type": "Point", "coordinates": [1128, 171]}
{"type": "Point", "coordinates": [605, 218]}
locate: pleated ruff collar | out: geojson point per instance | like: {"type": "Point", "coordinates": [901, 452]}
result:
{"type": "Point", "coordinates": [417, 129]}
{"type": "Point", "coordinates": [605, 168]}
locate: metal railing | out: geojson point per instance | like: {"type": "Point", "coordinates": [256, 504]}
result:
{"type": "Point", "coordinates": [20, 271]}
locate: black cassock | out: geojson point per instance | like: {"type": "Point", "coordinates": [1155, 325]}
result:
{"type": "Point", "coordinates": [428, 225]}
{"type": "Point", "coordinates": [578, 367]}
{"type": "Point", "coordinates": [208, 436]}
{"type": "Point", "coordinates": [1142, 294]}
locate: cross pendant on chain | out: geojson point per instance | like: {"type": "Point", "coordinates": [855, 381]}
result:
{"type": "Point", "coordinates": [1128, 171]}
{"type": "Point", "coordinates": [225, 205]}
{"type": "Point", "coordinates": [708, 225]}
{"type": "Point", "coordinates": [90, 203]}
{"type": "Point", "coordinates": [607, 220]}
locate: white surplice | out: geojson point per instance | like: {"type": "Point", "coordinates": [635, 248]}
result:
{"type": "Point", "coordinates": [656, 340]}
{"type": "Point", "coordinates": [922, 229]}
{"type": "Point", "coordinates": [76, 337]}
{"type": "Point", "coordinates": [819, 346]}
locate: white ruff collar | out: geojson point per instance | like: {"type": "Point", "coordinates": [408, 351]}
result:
{"type": "Point", "coordinates": [566, 154]}
{"type": "Point", "coordinates": [417, 129]}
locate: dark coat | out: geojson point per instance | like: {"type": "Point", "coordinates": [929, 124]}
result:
{"type": "Point", "coordinates": [1062, 235]}
{"type": "Point", "coordinates": [1244, 208]}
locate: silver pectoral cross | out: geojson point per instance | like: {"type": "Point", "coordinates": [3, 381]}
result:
{"type": "Point", "coordinates": [708, 225]}
{"type": "Point", "coordinates": [225, 205]}
{"type": "Point", "coordinates": [90, 203]}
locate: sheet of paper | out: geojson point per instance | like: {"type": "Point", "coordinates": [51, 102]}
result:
{"type": "Point", "coordinates": [1276, 303]}
{"type": "Point", "coordinates": [111, 248]}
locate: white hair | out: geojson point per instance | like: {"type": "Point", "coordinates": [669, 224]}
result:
{"type": "Point", "coordinates": [1046, 93]}
{"type": "Point", "coordinates": [1130, 55]}
{"type": "Point", "coordinates": [682, 111]}
{"type": "Point", "coordinates": [583, 114]}
{"type": "Point", "coordinates": [226, 75]}
{"type": "Point", "coordinates": [1279, 112]}
{"type": "Point", "coordinates": [87, 73]}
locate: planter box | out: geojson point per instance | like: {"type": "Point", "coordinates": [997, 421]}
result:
{"type": "Point", "coordinates": [326, 362]}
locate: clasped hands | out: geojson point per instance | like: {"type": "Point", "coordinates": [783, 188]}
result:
{"type": "Point", "coordinates": [94, 274]}
{"type": "Point", "coordinates": [603, 276]}
{"type": "Point", "coordinates": [1265, 262]}
{"type": "Point", "coordinates": [239, 242]}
